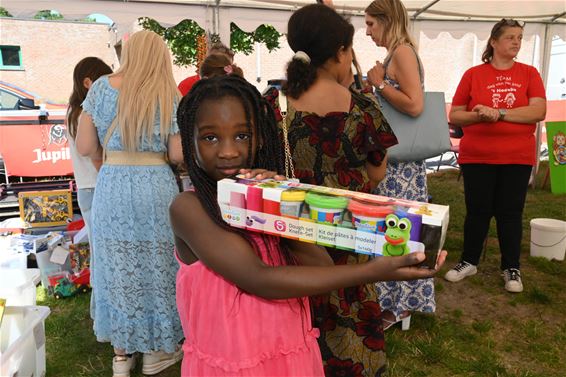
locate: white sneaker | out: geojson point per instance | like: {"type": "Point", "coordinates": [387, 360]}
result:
{"type": "Point", "coordinates": [513, 282]}
{"type": "Point", "coordinates": [122, 365]}
{"type": "Point", "coordinates": [460, 271]}
{"type": "Point", "coordinates": [157, 361]}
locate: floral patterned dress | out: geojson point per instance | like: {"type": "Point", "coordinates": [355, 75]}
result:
{"type": "Point", "coordinates": [405, 180]}
{"type": "Point", "coordinates": [332, 151]}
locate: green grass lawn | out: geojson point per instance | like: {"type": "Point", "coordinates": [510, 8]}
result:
{"type": "Point", "coordinates": [479, 329]}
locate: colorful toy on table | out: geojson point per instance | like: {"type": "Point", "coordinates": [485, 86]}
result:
{"type": "Point", "coordinates": [333, 217]}
{"type": "Point", "coordinates": [80, 256]}
{"type": "Point", "coordinates": [64, 284]}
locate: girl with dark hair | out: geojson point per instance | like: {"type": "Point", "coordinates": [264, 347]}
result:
{"type": "Point", "coordinates": [338, 138]}
{"type": "Point", "coordinates": [251, 288]}
{"type": "Point", "coordinates": [85, 170]}
{"type": "Point", "coordinates": [497, 104]}
{"type": "Point", "coordinates": [85, 73]}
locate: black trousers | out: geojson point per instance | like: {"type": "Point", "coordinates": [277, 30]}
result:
{"type": "Point", "coordinates": [494, 191]}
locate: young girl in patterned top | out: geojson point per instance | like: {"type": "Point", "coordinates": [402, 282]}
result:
{"type": "Point", "coordinates": [241, 295]}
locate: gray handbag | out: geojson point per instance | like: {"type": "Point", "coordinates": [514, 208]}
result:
{"type": "Point", "coordinates": [422, 137]}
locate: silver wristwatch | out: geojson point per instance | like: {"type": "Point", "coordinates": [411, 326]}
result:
{"type": "Point", "coordinates": [502, 113]}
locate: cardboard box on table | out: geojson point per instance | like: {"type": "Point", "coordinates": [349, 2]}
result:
{"type": "Point", "coordinates": [46, 208]}
{"type": "Point", "coordinates": [262, 206]}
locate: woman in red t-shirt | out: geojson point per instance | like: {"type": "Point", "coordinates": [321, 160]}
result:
{"type": "Point", "coordinates": [497, 104]}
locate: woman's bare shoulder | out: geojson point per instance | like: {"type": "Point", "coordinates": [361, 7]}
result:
{"type": "Point", "coordinates": [404, 53]}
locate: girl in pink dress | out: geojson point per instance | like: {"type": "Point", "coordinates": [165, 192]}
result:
{"type": "Point", "coordinates": [241, 295]}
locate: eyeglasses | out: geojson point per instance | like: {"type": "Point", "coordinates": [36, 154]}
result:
{"type": "Point", "coordinates": [509, 22]}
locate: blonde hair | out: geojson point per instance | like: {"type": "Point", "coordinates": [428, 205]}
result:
{"type": "Point", "coordinates": [147, 85]}
{"type": "Point", "coordinates": [393, 15]}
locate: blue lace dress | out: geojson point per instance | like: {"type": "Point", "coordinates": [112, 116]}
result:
{"type": "Point", "coordinates": [134, 277]}
{"type": "Point", "coordinates": [405, 180]}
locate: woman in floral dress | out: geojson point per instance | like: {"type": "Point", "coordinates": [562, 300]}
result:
{"type": "Point", "coordinates": [338, 138]}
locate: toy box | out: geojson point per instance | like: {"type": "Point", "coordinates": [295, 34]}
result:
{"type": "Point", "coordinates": [22, 341]}
{"type": "Point", "coordinates": [28, 243]}
{"type": "Point", "coordinates": [49, 265]}
{"type": "Point", "coordinates": [360, 222]}
{"type": "Point", "coordinates": [46, 208]}
{"type": "Point", "coordinates": [10, 258]}
{"type": "Point", "coordinates": [17, 285]}
{"type": "Point", "coordinates": [80, 256]}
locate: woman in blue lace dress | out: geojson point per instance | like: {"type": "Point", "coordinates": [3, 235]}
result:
{"type": "Point", "coordinates": [400, 81]}
{"type": "Point", "coordinates": [131, 115]}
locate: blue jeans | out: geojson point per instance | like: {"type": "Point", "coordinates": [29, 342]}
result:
{"type": "Point", "coordinates": [84, 197]}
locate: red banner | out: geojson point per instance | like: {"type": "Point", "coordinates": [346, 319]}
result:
{"type": "Point", "coordinates": [39, 150]}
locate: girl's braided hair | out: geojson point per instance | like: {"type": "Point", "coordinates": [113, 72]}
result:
{"type": "Point", "coordinates": [261, 124]}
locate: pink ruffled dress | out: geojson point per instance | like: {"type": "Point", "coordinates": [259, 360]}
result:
{"type": "Point", "coordinates": [231, 333]}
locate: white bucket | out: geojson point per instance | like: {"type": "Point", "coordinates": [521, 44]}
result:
{"type": "Point", "coordinates": [548, 238]}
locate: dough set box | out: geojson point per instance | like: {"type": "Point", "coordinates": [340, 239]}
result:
{"type": "Point", "coordinates": [360, 222]}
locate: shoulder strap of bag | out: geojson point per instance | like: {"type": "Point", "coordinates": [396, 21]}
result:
{"type": "Point", "coordinates": [421, 69]}
{"type": "Point", "coordinates": [107, 137]}
{"type": "Point", "coordinates": [289, 168]}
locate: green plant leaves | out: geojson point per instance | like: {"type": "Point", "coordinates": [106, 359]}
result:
{"type": "Point", "coordinates": [182, 38]}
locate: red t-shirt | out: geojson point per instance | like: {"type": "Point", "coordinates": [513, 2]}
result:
{"type": "Point", "coordinates": [500, 142]}
{"type": "Point", "coordinates": [186, 85]}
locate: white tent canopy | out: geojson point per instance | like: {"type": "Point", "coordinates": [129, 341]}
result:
{"type": "Point", "coordinates": [545, 19]}
{"type": "Point", "coordinates": [216, 15]}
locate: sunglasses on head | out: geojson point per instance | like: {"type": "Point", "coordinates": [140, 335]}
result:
{"type": "Point", "coordinates": [510, 22]}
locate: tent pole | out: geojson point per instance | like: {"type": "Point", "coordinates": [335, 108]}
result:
{"type": "Point", "coordinates": [546, 49]}
{"type": "Point", "coordinates": [416, 31]}
{"type": "Point", "coordinates": [216, 18]}
{"type": "Point", "coordinates": [424, 9]}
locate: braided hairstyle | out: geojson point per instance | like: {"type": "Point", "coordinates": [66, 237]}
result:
{"type": "Point", "coordinates": [261, 123]}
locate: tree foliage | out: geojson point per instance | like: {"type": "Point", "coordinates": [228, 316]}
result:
{"type": "Point", "coordinates": [242, 41]}
{"type": "Point", "coordinates": [48, 14]}
{"type": "Point", "coordinates": [4, 12]}
{"type": "Point", "coordinates": [181, 38]}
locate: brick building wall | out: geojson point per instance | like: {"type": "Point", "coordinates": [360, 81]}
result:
{"type": "Point", "coordinates": [51, 49]}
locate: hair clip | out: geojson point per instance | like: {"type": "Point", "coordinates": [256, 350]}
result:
{"type": "Point", "coordinates": [302, 56]}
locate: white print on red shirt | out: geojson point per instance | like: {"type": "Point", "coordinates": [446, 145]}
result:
{"type": "Point", "coordinates": [503, 91]}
